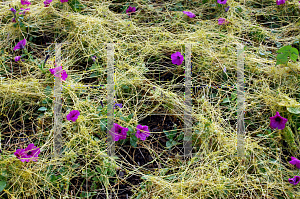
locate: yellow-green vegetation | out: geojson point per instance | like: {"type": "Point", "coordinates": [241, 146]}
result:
{"type": "Point", "coordinates": [144, 42]}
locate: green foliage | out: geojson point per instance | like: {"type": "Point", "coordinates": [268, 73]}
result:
{"type": "Point", "coordinates": [289, 137]}
{"type": "Point", "coordinates": [2, 183]}
{"type": "Point", "coordinates": [286, 53]}
{"type": "Point", "coordinates": [76, 5]}
{"type": "Point", "coordinates": [295, 110]}
{"type": "Point", "coordinates": [170, 135]}
{"type": "Point", "coordinates": [133, 140]}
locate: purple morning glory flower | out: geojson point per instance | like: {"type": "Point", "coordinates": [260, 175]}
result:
{"type": "Point", "coordinates": [222, 21]}
{"type": "Point", "coordinates": [227, 8]}
{"type": "Point", "coordinates": [119, 105]}
{"type": "Point", "coordinates": [94, 57]}
{"type": "Point", "coordinates": [17, 58]}
{"type": "Point", "coordinates": [24, 11]}
{"type": "Point", "coordinates": [32, 152]}
{"type": "Point", "coordinates": [189, 14]}
{"type": "Point", "coordinates": [20, 45]}
{"type": "Point", "coordinates": [56, 70]}
{"type": "Point", "coordinates": [130, 9]}
{"type": "Point", "coordinates": [277, 121]}
{"type": "Point", "coordinates": [25, 2]}
{"type": "Point", "coordinates": [142, 132]}
{"type": "Point", "coordinates": [47, 3]}
{"type": "Point", "coordinates": [295, 161]}
{"type": "Point", "coordinates": [20, 154]}
{"type": "Point", "coordinates": [28, 154]}
{"type": "Point", "coordinates": [73, 115]}
{"type": "Point", "coordinates": [279, 2]}
{"type": "Point", "coordinates": [177, 58]}
{"type": "Point", "coordinates": [13, 10]}
{"type": "Point", "coordinates": [295, 180]}
{"type": "Point", "coordinates": [63, 1]}
{"type": "Point", "coordinates": [120, 132]}
{"type": "Point", "coordinates": [222, 2]}
{"type": "Point", "coordinates": [64, 75]}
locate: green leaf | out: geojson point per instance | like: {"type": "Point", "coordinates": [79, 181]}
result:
{"type": "Point", "coordinates": [294, 54]}
{"type": "Point", "coordinates": [282, 59]}
{"type": "Point", "coordinates": [130, 130]}
{"type": "Point", "coordinates": [21, 24]}
{"type": "Point", "coordinates": [103, 124]}
{"type": "Point", "coordinates": [172, 134]}
{"type": "Point", "coordinates": [180, 137]}
{"type": "Point", "coordinates": [2, 184]}
{"type": "Point", "coordinates": [284, 49]}
{"type": "Point", "coordinates": [76, 5]}
{"type": "Point", "coordinates": [123, 118]}
{"type": "Point", "coordinates": [289, 137]}
{"type": "Point", "coordinates": [130, 116]}
{"type": "Point", "coordinates": [285, 53]}
{"type": "Point", "coordinates": [295, 110]}
{"type": "Point", "coordinates": [260, 135]}
{"type": "Point", "coordinates": [169, 144]}
{"type": "Point", "coordinates": [42, 109]}
{"type": "Point", "coordinates": [48, 91]}
{"type": "Point", "coordinates": [226, 100]}
{"type": "Point", "coordinates": [133, 140]}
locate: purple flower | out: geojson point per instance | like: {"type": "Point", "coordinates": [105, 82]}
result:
{"type": "Point", "coordinates": [130, 9]}
{"type": "Point", "coordinates": [119, 105]}
{"type": "Point", "coordinates": [222, 2]}
{"type": "Point", "coordinates": [17, 58]}
{"type": "Point", "coordinates": [227, 8]}
{"type": "Point", "coordinates": [277, 122]}
{"type": "Point", "coordinates": [63, 1]}
{"type": "Point", "coordinates": [177, 58]}
{"type": "Point", "coordinates": [189, 14]}
{"type": "Point", "coordinates": [13, 10]}
{"type": "Point", "coordinates": [222, 21]}
{"type": "Point", "coordinates": [64, 75]}
{"type": "Point", "coordinates": [20, 45]}
{"type": "Point", "coordinates": [279, 2]}
{"type": "Point", "coordinates": [28, 154]}
{"type": "Point", "coordinates": [94, 58]}
{"type": "Point", "coordinates": [295, 161]}
{"type": "Point", "coordinates": [32, 152]}
{"type": "Point", "coordinates": [295, 180]}
{"type": "Point", "coordinates": [55, 72]}
{"type": "Point", "coordinates": [24, 11]}
{"type": "Point", "coordinates": [73, 115]}
{"type": "Point", "coordinates": [13, 20]}
{"type": "Point", "coordinates": [20, 154]}
{"type": "Point", "coordinates": [224, 69]}
{"type": "Point", "coordinates": [119, 133]}
{"type": "Point", "coordinates": [25, 2]}
{"type": "Point", "coordinates": [47, 3]}
{"type": "Point", "coordinates": [142, 132]}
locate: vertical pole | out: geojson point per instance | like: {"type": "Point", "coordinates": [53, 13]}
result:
{"type": "Point", "coordinates": [240, 101]}
{"type": "Point", "coordinates": [110, 98]}
{"type": "Point", "coordinates": [57, 105]}
{"type": "Point", "coordinates": [187, 141]}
